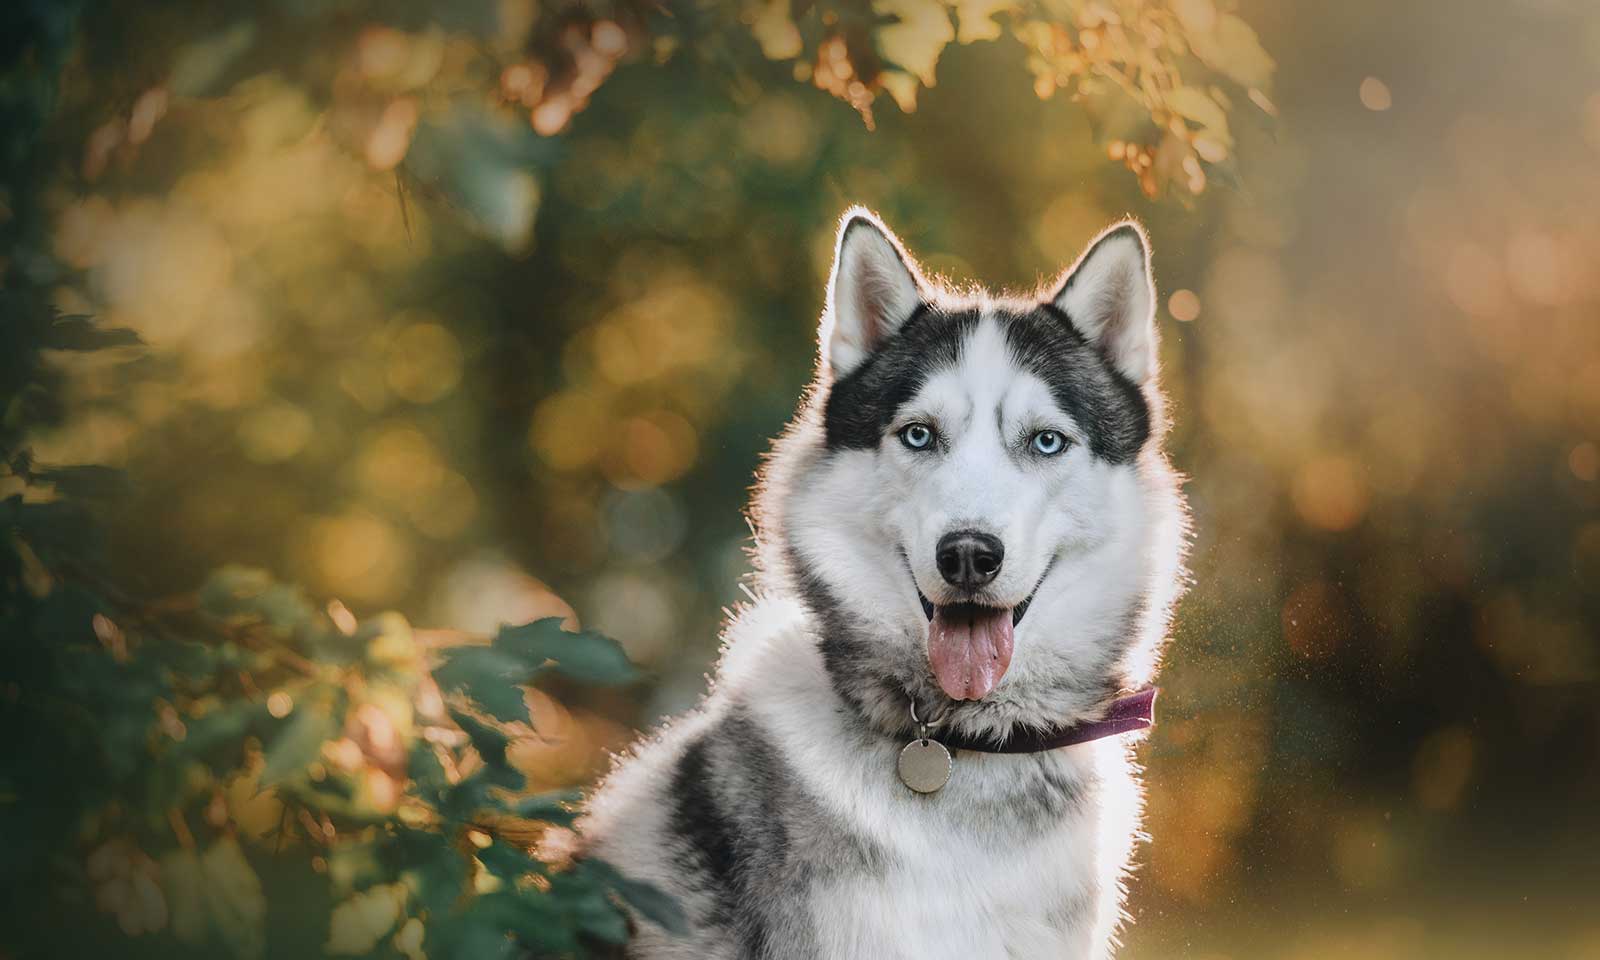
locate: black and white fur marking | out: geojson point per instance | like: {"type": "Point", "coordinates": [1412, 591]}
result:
{"type": "Point", "coordinates": [773, 811]}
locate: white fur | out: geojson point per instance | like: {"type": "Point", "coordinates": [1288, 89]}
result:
{"type": "Point", "coordinates": [962, 889]}
{"type": "Point", "coordinates": [872, 290]}
{"type": "Point", "coordinates": [1110, 296]}
{"type": "Point", "coordinates": [958, 882]}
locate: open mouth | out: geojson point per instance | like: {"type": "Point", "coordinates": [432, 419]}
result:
{"type": "Point", "coordinates": [928, 609]}
{"type": "Point", "coordinates": [970, 644]}
{"type": "Point", "coordinates": [969, 647]}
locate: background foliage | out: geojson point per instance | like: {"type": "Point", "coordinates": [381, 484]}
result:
{"type": "Point", "coordinates": [482, 313]}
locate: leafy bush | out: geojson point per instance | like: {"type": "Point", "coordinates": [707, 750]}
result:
{"type": "Point", "coordinates": [376, 757]}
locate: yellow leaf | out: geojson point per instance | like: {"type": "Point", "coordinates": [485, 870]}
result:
{"type": "Point", "coordinates": [1210, 149]}
{"type": "Point", "coordinates": [234, 901]}
{"type": "Point", "coordinates": [1234, 50]}
{"type": "Point", "coordinates": [218, 894]}
{"type": "Point", "coordinates": [367, 917]}
{"type": "Point", "coordinates": [255, 812]}
{"type": "Point", "coordinates": [775, 31]}
{"type": "Point", "coordinates": [144, 909]}
{"type": "Point", "coordinates": [392, 643]}
{"type": "Point", "coordinates": [186, 895]}
{"type": "Point", "coordinates": [1263, 102]}
{"type": "Point", "coordinates": [1192, 104]}
{"type": "Point", "coordinates": [1197, 16]}
{"type": "Point", "coordinates": [920, 35]}
{"type": "Point", "coordinates": [408, 942]}
{"type": "Point", "coordinates": [976, 19]}
{"type": "Point", "coordinates": [902, 87]}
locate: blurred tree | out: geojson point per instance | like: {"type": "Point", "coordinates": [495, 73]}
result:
{"type": "Point", "coordinates": [189, 768]}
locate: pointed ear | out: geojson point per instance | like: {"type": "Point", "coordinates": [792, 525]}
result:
{"type": "Point", "coordinates": [873, 289]}
{"type": "Point", "coordinates": [1110, 299]}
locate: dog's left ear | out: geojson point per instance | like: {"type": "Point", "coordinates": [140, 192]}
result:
{"type": "Point", "coordinates": [1109, 297]}
{"type": "Point", "coordinates": [874, 288]}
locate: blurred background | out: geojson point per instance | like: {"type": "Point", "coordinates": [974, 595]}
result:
{"type": "Point", "coordinates": [417, 356]}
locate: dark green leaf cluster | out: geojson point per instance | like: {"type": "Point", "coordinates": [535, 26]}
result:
{"type": "Point", "coordinates": [492, 675]}
{"type": "Point", "coordinates": [169, 773]}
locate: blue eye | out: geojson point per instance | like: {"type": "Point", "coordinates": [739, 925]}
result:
{"type": "Point", "coordinates": [1049, 442]}
{"type": "Point", "coordinates": [917, 436]}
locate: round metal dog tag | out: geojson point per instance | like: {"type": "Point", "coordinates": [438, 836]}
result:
{"type": "Point", "coordinates": [925, 765]}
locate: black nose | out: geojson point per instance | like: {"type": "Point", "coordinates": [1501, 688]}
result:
{"type": "Point", "coordinates": [969, 559]}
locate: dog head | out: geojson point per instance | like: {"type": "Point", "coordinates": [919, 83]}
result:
{"type": "Point", "coordinates": [974, 502]}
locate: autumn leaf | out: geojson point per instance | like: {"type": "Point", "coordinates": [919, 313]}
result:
{"type": "Point", "coordinates": [976, 19]}
{"type": "Point", "coordinates": [1233, 49]}
{"type": "Point", "coordinates": [1195, 105]}
{"type": "Point", "coordinates": [774, 29]}
{"type": "Point", "coordinates": [216, 894]}
{"type": "Point", "coordinates": [185, 882]}
{"type": "Point", "coordinates": [921, 33]}
{"type": "Point", "coordinates": [237, 906]}
{"type": "Point", "coordinates": [902, 88]}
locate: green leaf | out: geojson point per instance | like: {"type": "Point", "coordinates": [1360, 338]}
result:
{"type": "Point", "coordinates": [474, 793]}
{"type": "Point", "coordinates": [609, 924]}
{"type": "Point", "coordinates": [225, 724]}
{"type": "Point", "coordinates": [236, 592]}
{"type": "Point", "coordinates": [298, 743]}
{"type": "Point", "coordinates": [472, 796]}
{"type": "Point", "coordinates": [492, 677]}
{"type": "Point", "coordinates": [426, 771]}
{"type": "Point", "coordinates": [489, 742]}
{"type": "Point", "coordinates": [185, 883]}
{"type": "Point", "coordinates": [88, 482]}
{"type": "Point", "coordinates": [187, 658]}
{"type": "Point", "coordinates": [651, 901]}
{"type": "Point", "coordinates": [588, 657]}
{"type": "Point", "coordinates": [537, 921]}
{"type": "Point", "coordinates": [507, 861]}
{"type": "Point", "coordinates": [354, 866]}
{"type": "Point", "coordinates": [360, 922]}
{"type": "Point", "coordinates": [202, 65]}
{"type": "Point", "coordinates": [56, 529]}
{"type": "Point", "coordinates": [557, 807]}
{"type": "Point", "coordinates": [435, 872]}
{"type": "Point", "coordinates": [79, 332]}
{"type": "Point", "coordinates": [586, 903]}
{"type": "Point", "coordinates": [472, 936]}
{"type": "Point", "coordinates": [654, 905]}
{"type": "Point", "coordinates": [483, 160]}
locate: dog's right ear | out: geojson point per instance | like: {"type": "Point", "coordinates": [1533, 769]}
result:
{"type": "Point", "coordinates": [873, 289]}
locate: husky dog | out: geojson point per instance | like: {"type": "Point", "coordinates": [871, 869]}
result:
{"type": "Point", "coordinates": [969, 538]}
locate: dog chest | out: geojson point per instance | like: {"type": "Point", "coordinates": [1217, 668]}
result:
{"type": "Point", "coordinates": [956, 898]}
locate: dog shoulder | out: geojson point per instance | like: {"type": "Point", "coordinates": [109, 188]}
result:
{"type": "Point", "coordinates": [706, 806]}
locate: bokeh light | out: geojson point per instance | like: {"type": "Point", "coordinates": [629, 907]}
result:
{"type": "Point", "coordinates": [523, 362]}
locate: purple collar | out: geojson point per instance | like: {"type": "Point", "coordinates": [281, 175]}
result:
{"type": "Point", "coordinates": [1134, 711]}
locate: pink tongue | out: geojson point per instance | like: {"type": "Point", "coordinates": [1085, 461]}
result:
{"type": "Point", "coordinates": [970, 648]}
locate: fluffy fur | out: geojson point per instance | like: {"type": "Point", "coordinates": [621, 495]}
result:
{"type": "Point", "coordinates": [773, 811]}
